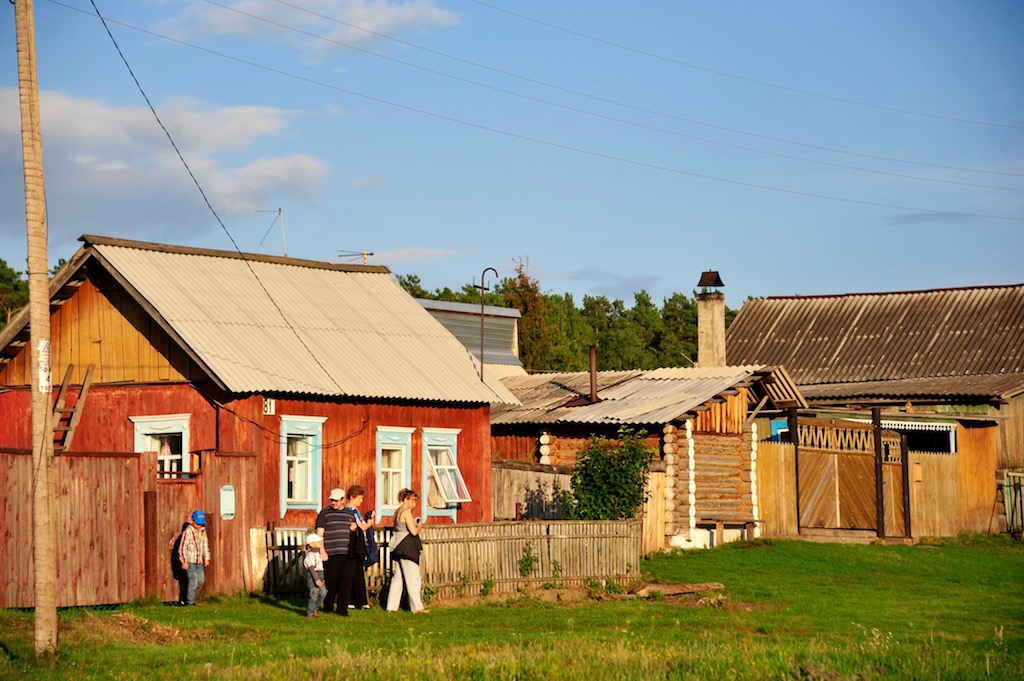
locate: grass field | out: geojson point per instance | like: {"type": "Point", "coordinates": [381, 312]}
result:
{"type": "Point", "coordinates": [789, 610]}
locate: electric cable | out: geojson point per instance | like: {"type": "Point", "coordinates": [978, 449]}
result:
{"type": "Point", "coordinates": [726, 74]}
{"type": "Point", "coordinates": [565, 147]}
{"type": "Point", "coordinates": [606, 117]}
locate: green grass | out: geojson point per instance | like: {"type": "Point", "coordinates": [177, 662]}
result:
{"type": "Point", "coordinates": [790, 610]}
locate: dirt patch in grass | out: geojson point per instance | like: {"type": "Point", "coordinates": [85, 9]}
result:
{"type": "Point", "coordinates": [124, 626]}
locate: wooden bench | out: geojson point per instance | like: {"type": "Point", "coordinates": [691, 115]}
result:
{"type": "Point", "coordinates": [746, 525]}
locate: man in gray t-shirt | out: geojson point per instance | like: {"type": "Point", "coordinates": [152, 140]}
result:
{"type": "Point", "coordinates": [333, 525]}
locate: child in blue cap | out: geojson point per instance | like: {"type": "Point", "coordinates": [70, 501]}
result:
{"type": "Point", "coordinates": [194, 554]}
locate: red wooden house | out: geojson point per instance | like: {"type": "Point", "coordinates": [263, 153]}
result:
{"type": "Point", "coordinates": [248, 385]}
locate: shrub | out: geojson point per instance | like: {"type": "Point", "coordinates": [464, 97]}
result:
{"type": "Point", "coordinates": [528, 563]}
{"type": "Point", "coordinates": [609, 480]}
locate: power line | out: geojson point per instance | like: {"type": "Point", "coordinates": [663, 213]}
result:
{"type": "Point", "coordinates": [594, 114]}
{"type": "Point", "coordinates": [208, 204]}
{"type": "Point", "coordinates": [536, 140]}
{"type": "Point", "coordinates": [726, 74]}
{"type": "Point", "coordinates": [597, 98]}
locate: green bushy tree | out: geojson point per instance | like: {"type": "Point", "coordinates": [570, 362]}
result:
{"type": "Point", "coordinates": [609, 480]}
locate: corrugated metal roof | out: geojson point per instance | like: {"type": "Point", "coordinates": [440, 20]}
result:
{"type": "Point", "coordinates": [463, 322]}
{"type": "Point", "coordinates": [627, 397]}
{"type": "Point", "coordinates": [830, 344]}
{"type": "Point", "coordinates": [274, 325]}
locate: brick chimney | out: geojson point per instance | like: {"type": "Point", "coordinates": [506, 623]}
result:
{"type": "Point", "coordinates": [710, 321]}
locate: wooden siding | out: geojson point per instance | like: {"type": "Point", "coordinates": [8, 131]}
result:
{"type": "Point", "coordinates": [653, 528]}
{"type": "Point", "coordinates": [726, 417]}
{"type": "Point", "coordinates": [976, 448]}
{"type": "Point", "coordinates": [776, 488]}
{"type": "Point", "coordinates": [349, 454]}
{"type": "Point", "coordinates": [934, 494]}
{"type": "Point", "coordinates": [218, 423]}
{"type": "Point", "coordinates": [104, 326]}
{"type": "Point", "coordinates": [1010, 434]}
{"type": "Point", "coordinates": [515, 447]}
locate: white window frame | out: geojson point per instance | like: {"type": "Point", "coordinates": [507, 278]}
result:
{"type": "Point", "coordinates": [442, 438]}
{"type": "Point", "coordinates": [146, 427]}
{"type": "Point", "coordinates": [313, 428]}
{"type": "Point", "coordinates": [393, 437]}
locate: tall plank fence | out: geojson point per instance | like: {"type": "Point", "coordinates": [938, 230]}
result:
{"type": "Point", "coordinates": [499, 557]}
{"type": "Point", "coordinates": [934, 491]}
{"type": "Point", "coordinates": [116, 520]}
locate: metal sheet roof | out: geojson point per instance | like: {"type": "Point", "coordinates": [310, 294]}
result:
{"type": "Point", "coordinates": [262, 324]}
{"type": "Point", "coordinates": [627, 397]}
{"type": "Point", "coordinates": [463, 322]}
{"type": "Point", "coordinates": [941, 343]}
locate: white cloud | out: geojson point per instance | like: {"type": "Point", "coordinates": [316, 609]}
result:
{"type": "Point", "coordinates": [111, 170]}
{"type": "Point", "coordinates": [400, 255]}
{"type": "Point", "coordinates": [369, 184]}
{"type": "Point", "coordinates": [337, 22]}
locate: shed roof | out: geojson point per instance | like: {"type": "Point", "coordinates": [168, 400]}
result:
{"type": "Point", "coordinates": [263, 324]}
{"type": "Point", "coordinates": [652, 397]}
{"type": "Point", "coordinates": [943, 344]}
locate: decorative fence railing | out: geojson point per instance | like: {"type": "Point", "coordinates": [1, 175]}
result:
{"type": "Point", "coordinates": [495, 557]}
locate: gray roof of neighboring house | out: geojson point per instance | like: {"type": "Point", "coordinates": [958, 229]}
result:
{"type": "Point", "coordinates": [946, 344]}
{"type": "Point", "coordinates": [656, 396]}
{"type": "Point", "coordinates": [463, 321]}
{"type": "Point", "coordinates": [264, 324]}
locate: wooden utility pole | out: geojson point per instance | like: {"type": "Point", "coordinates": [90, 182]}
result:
{"type": "Point", "coordinates": [43, 529]}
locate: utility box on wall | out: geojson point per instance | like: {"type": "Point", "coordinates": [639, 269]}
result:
{"type": "Point", "coordinates": [227, 502]}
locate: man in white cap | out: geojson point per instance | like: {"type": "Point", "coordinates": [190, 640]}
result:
{"type": "Point", "coordinates": [332, 524]}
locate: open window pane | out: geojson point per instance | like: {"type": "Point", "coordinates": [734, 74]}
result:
{"type": "Point", "coordinates": [446, 474]}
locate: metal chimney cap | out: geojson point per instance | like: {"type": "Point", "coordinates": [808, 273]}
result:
{"type": "Point", "coordinates": [710, 278]}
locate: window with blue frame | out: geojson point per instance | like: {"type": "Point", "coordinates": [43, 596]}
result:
{"type": "Point", "coordinates": [167, 435]}
{"type": "Point", "coordinates": [301, 462]}
{"type": "Point", "coordinates": [394, 465]}
{"type": "Point", "coordinates": [443, 485]}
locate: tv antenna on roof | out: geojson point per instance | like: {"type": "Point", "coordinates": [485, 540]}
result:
{"type": "Point", "coordinates": [351, 255]}
{"type": "Point", "coordinates": [279, 216]}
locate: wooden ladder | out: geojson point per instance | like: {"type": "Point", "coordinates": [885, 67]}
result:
{"type": "Point", "coordinates": [65, 419]}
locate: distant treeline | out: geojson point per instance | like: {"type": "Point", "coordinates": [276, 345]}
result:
{"type": "Point", "coordinates": [556, 335]}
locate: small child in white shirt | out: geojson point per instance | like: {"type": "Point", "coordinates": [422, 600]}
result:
{"type": "Point", "coordinates": [314, 564]}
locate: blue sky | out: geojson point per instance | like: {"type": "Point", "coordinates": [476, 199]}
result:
{"type": "Point", "coordinates": [796, 147]}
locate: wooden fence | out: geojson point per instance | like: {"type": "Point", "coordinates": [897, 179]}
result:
{"type": "Point", "coordinates": [116, 522]}
{"type": "Point", "coordinates": [500, 557]}
{"type": "Point", "coordinates": [934, 491]}
{"type": "Point", "coordinates": [526, 490]}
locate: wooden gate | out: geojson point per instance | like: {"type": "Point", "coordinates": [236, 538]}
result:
{"type": "Point", "coordinates": [837, 477]}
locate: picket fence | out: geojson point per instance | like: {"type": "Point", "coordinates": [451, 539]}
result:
{"type": "Point", "coordinates": [477, 558]}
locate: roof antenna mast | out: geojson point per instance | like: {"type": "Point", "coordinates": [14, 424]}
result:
{"type": "Point", "coordinates": [279, 216]}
